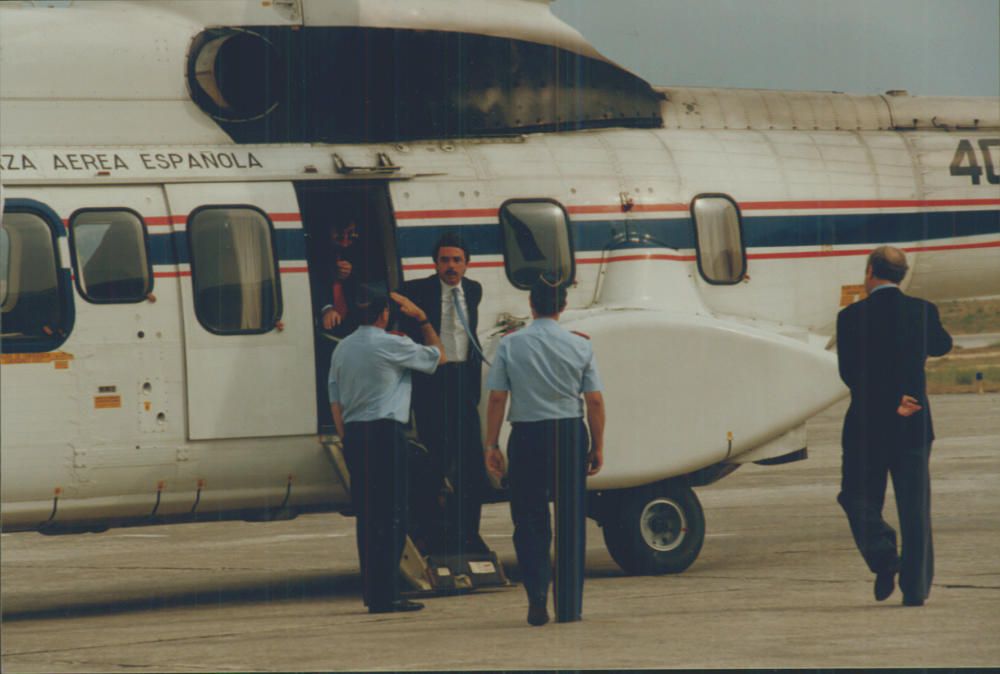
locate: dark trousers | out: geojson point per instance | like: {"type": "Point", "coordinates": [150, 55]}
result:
{"type": "Point", "coordinates": [548, 460]}
{"type": "Point", "coordinates": [862, 497]}
{"type": "Point", "coordinates": [448, 424]}
{"type": "Point", "coordinates": [376, 454]}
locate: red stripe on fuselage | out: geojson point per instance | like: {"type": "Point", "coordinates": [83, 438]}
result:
{"type": "Point", "coordinates": [862, 203]}
{"type": "Point", "coordinates": [807, 205]}
{"type": "Point", "coordinates": [572, 210]}
{"type": "Point", "coordinates": [458, 213]}
{"type": "Point", "coordinates": [866, 251]}
{"type": "Point", "coordinates": [167, 220]}
{"type": "Point", "coordinates": [445, 214]}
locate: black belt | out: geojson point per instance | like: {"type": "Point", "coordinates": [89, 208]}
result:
{"type": "Point", "coordinates": [544, 421]}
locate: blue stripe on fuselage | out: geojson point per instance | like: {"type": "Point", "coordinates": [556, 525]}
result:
{"type": "Point", "coordinates": [172, 248]}
{"type": "Point", "coordinates": [842, 229]}
{"type": "Point", "coordinates": [770, 231]}
{"type": "Point", "coordinates": [838, 229]}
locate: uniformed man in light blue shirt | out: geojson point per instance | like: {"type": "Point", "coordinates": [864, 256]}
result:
{"type": "Point", "coordinates": [545, 369]}
{"type": "Point", "coordinates": [369, 387]}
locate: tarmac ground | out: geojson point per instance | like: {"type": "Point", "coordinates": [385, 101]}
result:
{"type": "Point", "coordinates": [977, 340]}
{"type": "Point", "coordinates": [778, 584]}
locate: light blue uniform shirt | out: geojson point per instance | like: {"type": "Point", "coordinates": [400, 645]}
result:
{"type": "Point", "coordinates": [370, 374]}
{"type": "Point", "coordinates": [546, 368]}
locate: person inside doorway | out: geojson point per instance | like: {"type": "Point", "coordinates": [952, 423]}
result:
{"type": "Point", "coordinates": [340, 278]}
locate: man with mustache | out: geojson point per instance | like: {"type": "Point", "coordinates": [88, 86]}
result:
{"type": "Point", "coordinates": [445, 403]}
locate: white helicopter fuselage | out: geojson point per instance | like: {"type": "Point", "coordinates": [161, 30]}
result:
{"type": "Point", "coordinates": [144, 411]}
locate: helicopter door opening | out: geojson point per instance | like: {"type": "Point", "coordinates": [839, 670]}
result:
{"type": "Point", "coordinates": [350, 242]}
{"type": "Point", "coordinates": [354, 224]}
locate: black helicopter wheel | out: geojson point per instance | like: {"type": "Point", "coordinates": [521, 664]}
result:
{"type": "Point", "coordinates": [654, 529]}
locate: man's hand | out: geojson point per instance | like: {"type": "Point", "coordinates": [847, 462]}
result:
{"type": "Point", "coordinates": [331, 319]}
{"type": "Point", "coordinates": [908, 406]}
{"type": "Point", "coordinates": [338, 419]}
{"type": "Point", "coordinates": [344, 269]}
{"type": "Point", "coordinates": [595, 460]}
{"type": "Point", "coordinates": [494, 462]}
{"type": "Point", "coordinates": [409, 308]}
{"type": "Point", "coordinates": [594, 401]}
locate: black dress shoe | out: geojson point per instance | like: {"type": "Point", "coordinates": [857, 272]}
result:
{"type": "Point", "coordinates": [885, 583]}
{"type": "Point", "coordinates": [912, 601]}
{"type": "Point", "coordinates": [398, 606]}
{"type": "Point", "coordinates": [538, 615]}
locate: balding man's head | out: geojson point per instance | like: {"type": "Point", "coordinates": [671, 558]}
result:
{"type": "Point", "coordinates": [888, 263]}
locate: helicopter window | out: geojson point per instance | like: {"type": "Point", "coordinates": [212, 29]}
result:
{"type": "Point", "coordinates": [4, 265]}
{"type": "Point", "coordinates": [34, 315]}
{"type": "Point", "coordinates": [536, 239]}
{"type": "Point", "coordinates": [233, 270]}
{"type": "Point", "coordinates": [719, 239]}
{"type": "Point", "coordinates": [110, 256]}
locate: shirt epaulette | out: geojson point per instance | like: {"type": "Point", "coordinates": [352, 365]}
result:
{"type": "Point", "coordinates": [581, 334]}
{"type": "Point", "coordinates": [397, 333]}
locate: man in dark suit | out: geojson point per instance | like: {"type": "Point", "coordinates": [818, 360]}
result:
{"type": "Point", "coordinates": [445, 403]}
{"type": "Point", "coordinates": [883, 342]}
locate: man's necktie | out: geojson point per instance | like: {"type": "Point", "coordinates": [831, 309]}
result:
{"type": "Point", "coordinates": [465, 324]}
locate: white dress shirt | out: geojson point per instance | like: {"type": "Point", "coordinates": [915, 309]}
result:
{"type": "Point", "coordinates": [453, 335]}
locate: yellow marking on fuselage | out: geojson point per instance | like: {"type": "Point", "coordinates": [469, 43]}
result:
{"type": "Point", "coordinates": [60, 358]}
{"type": "Point", "coordinates": [107, 402]}
{"type": "Point", "coordinates": [852, 293]}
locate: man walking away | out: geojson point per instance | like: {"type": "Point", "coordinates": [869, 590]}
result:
{"type": "Point", "coordinates": [882, 343]}
{"type": "Point", "coordinates": [545, 369]}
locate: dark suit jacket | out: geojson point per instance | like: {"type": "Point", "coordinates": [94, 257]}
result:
{"type": "Point", "coordinates": [882, 344]}
{"type": "Point", "coordinates": [426, 293]}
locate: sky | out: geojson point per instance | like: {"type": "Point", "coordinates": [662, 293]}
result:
{"type": "Point", "coordinates": [927, 47]}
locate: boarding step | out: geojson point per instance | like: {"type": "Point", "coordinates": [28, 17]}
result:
{"type": "Point", "coordinates": [430, 574]}
{"type": "Point", "coordinates": [450, 574]}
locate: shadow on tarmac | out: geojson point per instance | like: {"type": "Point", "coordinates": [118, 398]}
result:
{"type": "Point", "coordinates": [301, 587]}
{"type": "Point", "coordinates": [298, 588]}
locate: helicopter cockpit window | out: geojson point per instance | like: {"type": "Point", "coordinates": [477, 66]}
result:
{"type": "Point", "coordinates": [110, 256]}
{"type": "Point", "coordinates": [719, 239]}
{"type": "Point", "coordinates": [234, 270]}
{"type": "Point", "coordinates": [33, 311]}
{"type": "Point", "coordinates": [536, 239]}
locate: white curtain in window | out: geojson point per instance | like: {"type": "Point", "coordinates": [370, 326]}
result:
{"type": "Point", "coordinates": [250, 240]}
{"type": "Point", "coordinates": [718, 239]}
